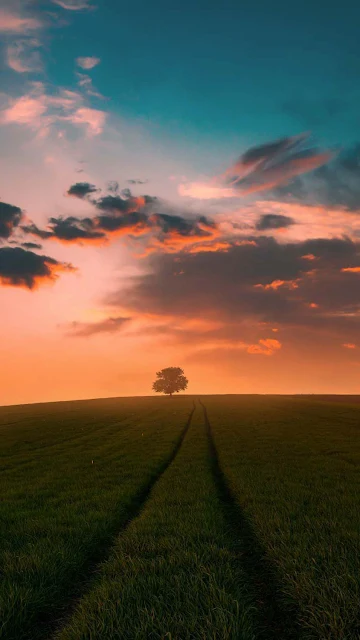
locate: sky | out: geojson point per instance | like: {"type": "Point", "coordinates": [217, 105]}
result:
{"type": "Point", "coordinates": [179, 186]}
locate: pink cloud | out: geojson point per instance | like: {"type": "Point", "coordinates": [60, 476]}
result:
{"type": "Point", "coordinates": [39, 110]}
{"type": "Point", "coordinates": [87, 62]}
{"type": "Point", "coordinates": [26, 110]}
{"type": "Point", "coordinates": [14, 23]}
{"type": "Point", "coordinates": [205, 191]}
{"type": "Point", "coordinates": [93, 119]}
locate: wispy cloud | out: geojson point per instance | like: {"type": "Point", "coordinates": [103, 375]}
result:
{"type": "Point", "coordinates": [74, 5]}
{"type": "Point", "coordinates": [39, 110]}
{"type": "Point", "coordinates": [261, 168]}
{"type": "Point", "coordinates": [14, 23]}
{"type": "Point", "coordinates": [87, 62]}
{"type": "Point", "coordinates": [93, 119]}
{"type": "Point", "coordinates": [86, 83]}
{"type": "Point", "coordinates": [87, 329]}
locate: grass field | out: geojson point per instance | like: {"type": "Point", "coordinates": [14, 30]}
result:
{"type": "Point", "coordinates": [221, 517]}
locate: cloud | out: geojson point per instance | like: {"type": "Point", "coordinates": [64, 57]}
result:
{"type": "Point", "coordinates": [276, 284]}
{"type": "Point", "coordinates": [33, 229]}
{"type": "Point", "coordinates": [87, 63]}
{"type": "Point", "coordinates": [21, 268]}
{"type": "Point", "coordinates": [267, 347]}
{"type": "Point", "coordinates": [13, 23]}
{"type": "Point", "coordinates": [87, 329]}
{"type": "Point", "coordinates": [26, 110]}
{"type": "Point", "coordinates": [273, 221]}
{"type": "Point", "coordinates": [31, 245]}
{"type": "Point", "coordinates": [137, 181]}
{"type": "Point", "coordinates": [40, 109]}
{"type": "Point", "coordinates": [248, 286]}
{"type": "Point", "coordinates": [336, 185]}
{"type": "Point", "coordinates": [131, 216]}
{"type": "Point", "coordinates": [261, 168]}
{"type": "Point", "coordinates": [74, 5]}
{"type": "Point", "coordinates": [205, 191]}
{"type": "Point", "coordinates": [351, 269]}
{"type": "Point", "coordinates": [93, 119]}
{"type": "Point", "coordinates": [70, 229]}
{"type": "Point", "coordinates": [175, 233]}
{"type": "Point", "coordinates": [23, 56]}
{"type": "Point", "coordinates": [86, 84]}
{"type": "Point", "coordinates": [81, 189]}
{"type": "Point", "coordinates": [349, 345]}
{"type": "Point", "coordinates": [10, 217]}
{"type": "Point", "coordinates": [132, 224]}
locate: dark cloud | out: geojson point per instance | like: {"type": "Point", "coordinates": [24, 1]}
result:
{"type": "Point", "coordinates": [81, 190]}
{"type": "Point", "coordinates": [124, 203]}
{"type": "Point", "coordinates": [21, 268]}
{"type": "Point", "coordinates": [201, 226]}
{"type": "Point", "coordinates": [132, 223]}
{"type": "Point", "coordinates": [268, 165]}
{"type": "Point", "coordinates": [127, 215]}
{"type": "Point", "coordinates": [72, 229]}
{"type": "Point", "coordinates": [10, 217]}
{"type": "Point", "coordinates": [268, 282]}
{"type": "Point", "coordinates": [335, 185]}
{"type": "Point", "coordinates": [34, 230]}
{"type": "Point", "coordinates": [69, 229]}
{"type": "Point", "coordinates": [273, 221]}
{"type": "Point", "coordinates": [31, 245]}
{"type": "Point", "coordinates": [137, 181]}
{"type": "Point", "coordinates": [108, 325]}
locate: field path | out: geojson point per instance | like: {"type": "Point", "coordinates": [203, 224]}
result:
{"type": "Point", "coordinates": [275, 620]}
{"type": "Point", "coordinates": [174, 573]}
{"type": "Point", "coordinates": [133, 511]}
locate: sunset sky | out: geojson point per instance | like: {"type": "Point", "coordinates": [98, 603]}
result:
{"type": "Point", "coordinates": [179, 186]}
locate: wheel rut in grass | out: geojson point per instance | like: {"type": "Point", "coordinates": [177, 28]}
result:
{"type": "Point", "coordinates": [50, 626]}
{"type": "Point", "coordinates": [276, 619]}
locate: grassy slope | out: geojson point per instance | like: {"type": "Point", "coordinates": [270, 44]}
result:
{"type": "Point", "coordinates": [191, 565]}
{"type": "Point", "coordinates": [174, 573]}
{"type": "Point", "coordinates": [293, 466]}
{"type": "Point", "coordinates": [58, 510]}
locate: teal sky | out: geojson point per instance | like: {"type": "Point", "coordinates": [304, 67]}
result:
{"type": "Point", "coordinates": [255, 70]}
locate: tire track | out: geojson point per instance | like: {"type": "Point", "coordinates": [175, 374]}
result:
{"type": "Point", "coordinates": [277, 619]}
{"type": "Point", "coordinates": [53, 625]}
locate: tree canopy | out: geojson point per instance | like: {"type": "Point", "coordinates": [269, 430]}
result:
{"type": "Point", "coordinates": [170, 380]}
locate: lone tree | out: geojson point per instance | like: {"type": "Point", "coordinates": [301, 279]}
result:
{"type": "Point", "coordinates": [170, 380]}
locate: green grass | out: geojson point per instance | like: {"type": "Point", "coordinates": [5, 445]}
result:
{"type": "Point", "coordinates": [70, 476]}
{"type": "Point", "coordinates": [175, 572]}
{"type": "Point", "coordinates": [118, 522]}
{"type": "Point", "coordinates": [293, 468]}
